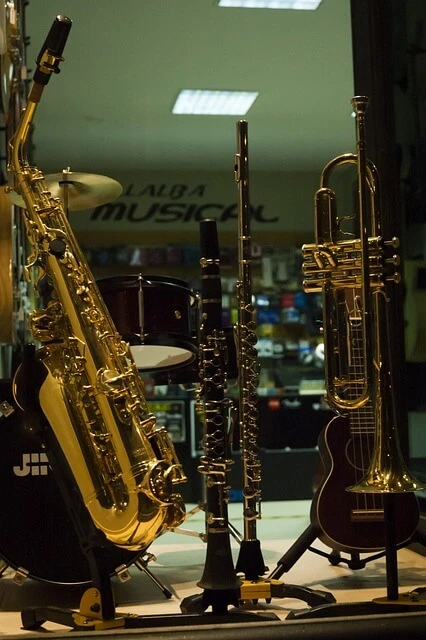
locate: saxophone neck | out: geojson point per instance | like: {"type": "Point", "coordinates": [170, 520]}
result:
{"type": "Point", "coordinates": [17, 159]}
{"type": "Point", "coordinates": [47, 63]}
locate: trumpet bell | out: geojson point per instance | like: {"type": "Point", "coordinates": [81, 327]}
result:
{"type": "Point", "coordinates": [387, 475]}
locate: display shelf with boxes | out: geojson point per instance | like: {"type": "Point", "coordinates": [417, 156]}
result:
{"type": "Point", "coordinates": [288, 321]}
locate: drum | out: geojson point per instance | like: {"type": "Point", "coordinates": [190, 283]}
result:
{"type": "Point", "coordinates": [156, 315]}
{"type": "Point", "coordinates": [190, 374]}
{"type": "Point", "coordinates": [36, 533]}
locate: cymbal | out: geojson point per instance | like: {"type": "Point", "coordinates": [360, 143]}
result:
{"type": "Point", "coordinates": [78, 191]}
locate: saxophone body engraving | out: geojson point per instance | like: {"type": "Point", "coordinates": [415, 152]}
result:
{"type": "Point", "coordinates": [92, 396]}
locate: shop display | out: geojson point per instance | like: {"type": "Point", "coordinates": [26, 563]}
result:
{"type": "Point", "coordinates": [150, 375]}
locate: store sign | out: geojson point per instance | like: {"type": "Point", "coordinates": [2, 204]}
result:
{"type": "Point", "coordinates": [178, 201]}
{"type": "Point", "coordinates": [165, 204]}
{"type": "Point", "coordinates": [174, 212]}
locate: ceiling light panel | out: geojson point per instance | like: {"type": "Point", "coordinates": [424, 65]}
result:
{"type": "Point", "coordinates": [215, 103]}
{"type": "Point", "coordinates": [272, 4]}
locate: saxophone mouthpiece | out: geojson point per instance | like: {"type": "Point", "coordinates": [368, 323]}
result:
{"type": "Point", "coordinates": [51, 52]}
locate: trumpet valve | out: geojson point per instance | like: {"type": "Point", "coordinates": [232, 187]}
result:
{"type": "Point", "coordinates": [394, 243]}
{"type": "Point", "coordinates": [396, 278]}
{"type": "Point", "coordinates": [395, 260]}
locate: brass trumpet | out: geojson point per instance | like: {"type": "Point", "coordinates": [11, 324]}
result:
{"type": "Point", "coordinates": [353, 275]}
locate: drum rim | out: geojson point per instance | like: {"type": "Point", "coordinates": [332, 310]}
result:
{"type": "Point", "coordinates": [115, 283]}
{"type": "Point", "coordinates": [63, 583]}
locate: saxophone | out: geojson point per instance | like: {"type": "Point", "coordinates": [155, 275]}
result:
{"type": "Point", "coordinates": [92, 395]}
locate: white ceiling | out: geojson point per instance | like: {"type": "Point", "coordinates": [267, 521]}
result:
{"type": "Point", "coordinates": [126, 60]}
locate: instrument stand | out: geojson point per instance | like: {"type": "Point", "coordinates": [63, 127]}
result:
{"type": "Point", "coordinates": [253, 591]}
{"type": "Point", "coordinates": [393, 602]}
{"type": "Point", "coordinates": [97, 607]}
{"type": "Point", "coordinates": [303, 544]}
{"type": "Point", "coordinates": [252, 588]}
{"type": "Point", "coordinates": [98, 600]}
{"type": "Point", "coordinates": [92, 616]}
{"type": "Point", "coordinates": [220, 583]}
{"type": "Point", "coordinates": [250, 562]}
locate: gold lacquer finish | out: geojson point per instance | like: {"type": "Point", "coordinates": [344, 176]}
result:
{"type": "Point", "coordinates": [354, 276]}
{"type": "Point", "coordinates": [93, 397]}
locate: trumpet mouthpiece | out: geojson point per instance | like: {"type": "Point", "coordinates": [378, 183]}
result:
{"type": "Point", "coordinates": [359, 104]}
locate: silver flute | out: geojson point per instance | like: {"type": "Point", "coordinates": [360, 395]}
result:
{"type": "Point", "coordinates": [250, 560]}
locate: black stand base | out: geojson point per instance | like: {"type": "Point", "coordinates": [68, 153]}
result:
{"type": "Point", "coordinates": [304, 543]}
{"type": "Point", "coordinates": [219, 600]}
{"type": "Point", "coordinates": [411, 602]}
{"type": "Point", "coordinates": [90, 617]}
{"type": "Point", "coordinates": [179, 619]}
{"type": "Point", "coordinates": [255, 591]}
{"type": "Point", "coordinates": [33, 619]}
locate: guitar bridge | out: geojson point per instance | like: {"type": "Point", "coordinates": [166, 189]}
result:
{"type": "Point", "coordinates": [367, 515]}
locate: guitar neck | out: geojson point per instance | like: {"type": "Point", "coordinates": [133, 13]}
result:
{"type": "Point", "coordinates": [361, 420]}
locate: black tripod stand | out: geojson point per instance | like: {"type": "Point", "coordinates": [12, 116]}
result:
{"type": "Point", "coordinates": [304, 543]}
{"type": "Point", "coordinates": [393, 602]}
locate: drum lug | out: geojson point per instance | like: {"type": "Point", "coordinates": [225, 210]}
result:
{"type": "Point", "coordinates": [142, 561]}
{"type": "Point", "coordinates": [123, 573]}
{"type": "Point", "coordinates": [20, 576]}
{"type": "Point", "coordinates": [6, 409]}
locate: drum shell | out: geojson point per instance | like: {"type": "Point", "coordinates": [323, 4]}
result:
{"type": "Point", "coordinates": [167, 317]}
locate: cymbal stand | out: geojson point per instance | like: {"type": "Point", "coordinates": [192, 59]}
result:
{"type": "Point", "coordinates": [65, 185]}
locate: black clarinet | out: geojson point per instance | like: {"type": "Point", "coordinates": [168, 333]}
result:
{"type": "Point", "coordinates": [219, 580]}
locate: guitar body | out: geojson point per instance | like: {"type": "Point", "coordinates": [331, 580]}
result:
{"type": "Point", "coordinates": [353, 522]}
